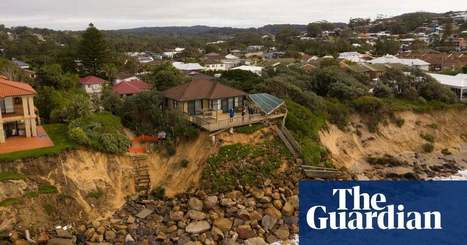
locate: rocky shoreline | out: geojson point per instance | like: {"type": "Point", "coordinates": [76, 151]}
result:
{"type": "Point", "coordinates": [250, 215]}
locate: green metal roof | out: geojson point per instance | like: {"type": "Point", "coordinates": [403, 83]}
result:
{"type": "Point", "coordinates": [266, 102]}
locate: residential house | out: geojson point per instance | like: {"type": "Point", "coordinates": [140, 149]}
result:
{"type": "Point", "coordinates": [188, 67]}
{"type": "Point", "coordinates": [131, 87]}
{"type": "Point", "coordinates": [17, 111]}
{"type": "Point", "coordinates": [214, 106]}
{"type": "Point", "coordinates": [93, 85]}
{"type": "Point", "coordinates": [391, 59]}
{"type": "Point", "coordinates": [438, 60]}
{"type": "Point", "coordinates": [258, 70]}
{"type": "Point", "coordinates": [353, 57]}
{"type": "Point", "coordinates": [21, 64]}
{"type": "Point", "coordinates": [458, 83]}
{"type": "Point", "coordinates": [372, 71]}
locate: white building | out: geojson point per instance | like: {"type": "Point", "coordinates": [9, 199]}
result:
{"type": "Point", "coordinates": [352, 56]}
{"type": "Point", "coordinates": [93, 85]}
{"type": "Point", "coordinates": [188, 66]}
{"type": "Point", "coordinates": [258, 70]}
{"type": "Point", "coordinates": [391, 59]}
{"type": "Point", "coordinates": [457, 82]}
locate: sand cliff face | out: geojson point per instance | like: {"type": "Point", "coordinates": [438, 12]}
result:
{"type": "Point", "coordinates": [81, 175]}
{"type": "Point", "coordinates": [92, 185]}
{"type": "Point", "coordinates": [350, 149]}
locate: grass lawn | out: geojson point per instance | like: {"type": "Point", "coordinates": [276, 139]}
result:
{"type": "Point", "coordinates": [59, 135]}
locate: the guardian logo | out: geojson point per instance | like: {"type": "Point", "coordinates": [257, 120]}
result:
{"type": "Point", "coordinates": [368, 212]}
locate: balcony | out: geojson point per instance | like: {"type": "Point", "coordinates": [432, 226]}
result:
{"type": "Point", "coordinates": [223, 120]}
{"type": "Point", "coordinates": [18, 112]}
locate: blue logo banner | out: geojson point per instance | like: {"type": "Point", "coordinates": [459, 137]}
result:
{"type": "Point", "coordinates": [383, 212]}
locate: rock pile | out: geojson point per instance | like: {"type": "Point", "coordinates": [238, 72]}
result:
{"type": "Point", "coordinates": [251, 215]}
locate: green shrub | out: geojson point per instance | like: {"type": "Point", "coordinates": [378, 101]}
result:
{"type": "Point", "coordinates": [433, 126]}
{"type": "Point", "coordinates": [79, 136]}
{"type": "Point", "coordinates": [97, 194]}
{"type": "Point", "coordinates": [446, 152]}
{"type": "Point", "coordinates": [170, 149]}
{"type": "Point", "coordinates": [368, 105]}
{"type": "Point", "coordinates": [49, 209]}
{"type": "Point", "coordinates": [428, 137]}
{"type": "Point", "coordinates": [249, 129]}
{"type": "Point", "coordinates": [47, 189]}
{"type": "Point", "coordinates": [10, 175]}
{"type": "Point", "coordinates": [184, 163]}
{"type": "Point", "coordinates": [428, 147]}
{"type": "Point", "coordinates": [337, 113]}
{"type": "Point", "coordinates": [158, 193]}
{"type": "Point", "coordinates": [100, 131]}
{"type": "Point", "coordinates": [10, 202]}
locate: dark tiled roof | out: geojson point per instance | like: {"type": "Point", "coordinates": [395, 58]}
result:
{"type": "Point", "coordinates": [201, 88]}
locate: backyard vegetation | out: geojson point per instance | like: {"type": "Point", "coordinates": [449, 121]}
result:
{"type": "Point", "coordinates": [243, 164]}
{"type": "Point", "coordinates": [99, 131]}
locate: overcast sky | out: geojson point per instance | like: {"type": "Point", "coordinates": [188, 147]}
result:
{"type": "Point", "coordinates": [116, 14]}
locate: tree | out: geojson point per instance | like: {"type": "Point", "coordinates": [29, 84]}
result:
{"type": "Point", "coordinates": [165, 76]}
{"type": "Point", "coordinates": [112, 102]}
{"type": "Point", "coordinates": [286, 36]}
{"type": "Point", "coordinates": [110, 71]}
{"type": "Point", "coordinates": [314, 29]}
{"type": "Point", "coordinates": [53, 76]}
{"type": "Point", "coordinates": [387, 46]}
{"type": "Point", "coordinates": [93, 50]}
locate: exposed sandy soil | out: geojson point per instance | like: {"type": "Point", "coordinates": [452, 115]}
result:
{"type": "Point", "coordinates": [349, 149]}
{"type": "Point", "coordinates": [79, 173]}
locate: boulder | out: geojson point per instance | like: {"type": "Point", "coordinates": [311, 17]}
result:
{"type": "Point", "coordinates": [245, 232]}
{"type": "Point", "coordinates": [198, 227]}
{"type": "Point", "coordinates": [144, 213]}
{"type": "Point", "coordinates": [196, 215]}
{"type": "Point", "coordinates": [272, 211]}
{"type": "Point", "coordinates": [176, 215]}
{"type": "Point", "coordinates": [110, 236]}
{"type": "Point", "coordinates": [210, 202]}
{"type": "Point", "coordinates": [268, 222]}
{"type": "Point", "coordinates": [227, 202]}
{"type": "Point", "coordinates": [282, 233]}
{"type": "Point", "coordinates": [288, 209]}
{"type": "Point", "coordinates": [195, 203]}
{"type": "Point", "coordinates": [223, 224]}
{"type": "Point", "coordinates": [60, 241]}
{"type": "Point", "coordinates": [255, 241]}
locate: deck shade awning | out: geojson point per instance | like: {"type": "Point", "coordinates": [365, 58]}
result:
{"type": "Point", "coordinates": [266, 102]}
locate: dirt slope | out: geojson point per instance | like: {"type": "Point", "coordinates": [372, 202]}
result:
{"type": "Point", "coordinates": [349, 149]}
{"type": "Point", "coordinates": [81, 174]}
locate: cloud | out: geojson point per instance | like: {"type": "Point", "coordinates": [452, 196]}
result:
{"type": "Point", "coordinates": [115, 14]}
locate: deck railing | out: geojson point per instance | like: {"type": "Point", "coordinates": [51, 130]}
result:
{"type": "Point", "coordinates": [214, 125]}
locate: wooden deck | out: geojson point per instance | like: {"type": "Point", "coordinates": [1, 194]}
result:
{"type": "Point", "coordinates": [225, 122]}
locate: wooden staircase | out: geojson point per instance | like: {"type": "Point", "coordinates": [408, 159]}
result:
{"type": "Point", "coordinates": [294, 147]}
{"type": "Point", "coordinates": [142, 179]}
{"type": "Point", "coordinates": [289, 142]}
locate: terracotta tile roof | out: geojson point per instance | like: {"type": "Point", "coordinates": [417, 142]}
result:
{"type": "Point", "coordinates": [201, 89]}
{"type": "Point", "coordinates": [92, 80]}
{"type": "Point", "coordinates": [11, 88]}
{"type": "Point", "coordinates": [131, 87]}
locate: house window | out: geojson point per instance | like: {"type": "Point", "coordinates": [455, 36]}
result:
{"type": "Point", "coordinates": [236, 101]}
{"type": "Point", "coordinates": [8, 106]}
